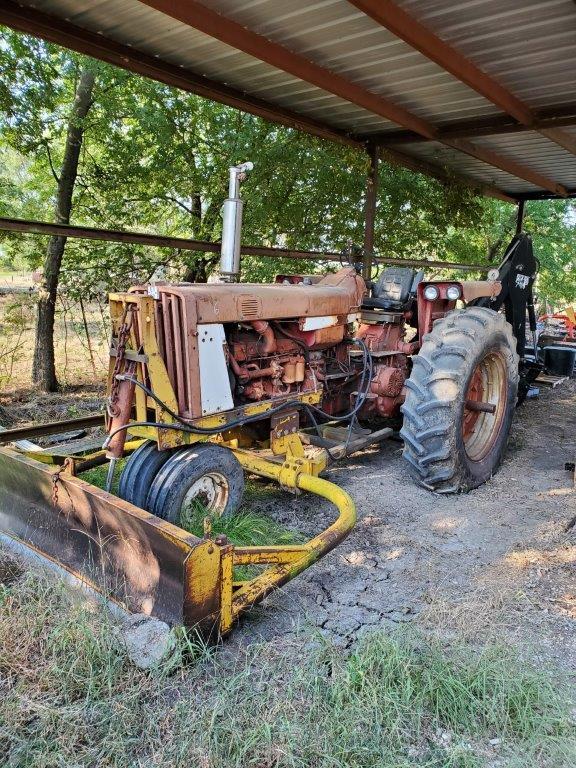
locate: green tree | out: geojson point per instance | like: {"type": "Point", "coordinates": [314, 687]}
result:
{"type": "Point", "coordinates": [43, 367]}
{"type": "Point", "coordinates": [39, 119]}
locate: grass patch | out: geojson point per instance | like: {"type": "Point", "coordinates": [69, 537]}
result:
{"type": "Point", "coordinates": [245, 528]}
{"type": "Point", "coordinates": [70, 697]}
{"type": "Point", "coordinates": [97, 476]}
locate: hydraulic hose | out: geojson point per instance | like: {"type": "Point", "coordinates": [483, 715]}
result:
{"type": "Point", "coordinates": [311, 410]}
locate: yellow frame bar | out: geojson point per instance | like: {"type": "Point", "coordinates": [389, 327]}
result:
{"type": "Point", "coordinates": [286, 561]}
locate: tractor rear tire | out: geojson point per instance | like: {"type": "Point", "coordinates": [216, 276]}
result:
{"type": "Point", "coordinates": [204, 476]}
{"type": "Point", "coordinates": [469, 359]}
{"type": "Point", "coordinates": [139, 472]}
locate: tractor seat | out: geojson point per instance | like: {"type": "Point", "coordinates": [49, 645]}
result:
{"type": "Point", "coordinates": [394, 289]}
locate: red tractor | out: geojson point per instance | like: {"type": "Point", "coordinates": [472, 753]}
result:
{"type": "Point", "coordinates": [231, 364]}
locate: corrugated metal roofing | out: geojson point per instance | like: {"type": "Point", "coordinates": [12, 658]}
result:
{"type": "Point", "coordinates": [530, 148]}
{"type": "Point", "coordinates": [528, 46]}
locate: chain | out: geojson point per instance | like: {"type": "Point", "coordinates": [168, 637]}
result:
{"type": "Point", "coordinates": [56, 480]}
{"type": "Point", "coordinates": [124, 330]}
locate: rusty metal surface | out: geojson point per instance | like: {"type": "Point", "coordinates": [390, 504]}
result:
{"type": "Point", "coordinates": [50, 428]}
{"type": "Point", "coordinates": [73, 447]}
{"type": "Point", "coordinates": [185, 308]}
{"type": "Point", "coordinates": [335, 294]}
{"type": "Point", "coordinates": [124, 552]}
{"type": "Point", "coordinates": [113, 235]}
{"type": "Point", "coordinates": [440, 172]}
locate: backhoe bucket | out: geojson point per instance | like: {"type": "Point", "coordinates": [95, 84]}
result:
{"type": "Point", "coordinates": [133, 558]}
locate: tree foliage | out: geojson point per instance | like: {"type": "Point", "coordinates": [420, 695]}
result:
{"type": "Point", "coordinates": [156, 159]}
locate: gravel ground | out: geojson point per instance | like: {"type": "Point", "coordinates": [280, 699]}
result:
{"type": "Point", "coordinates": [497, 561]}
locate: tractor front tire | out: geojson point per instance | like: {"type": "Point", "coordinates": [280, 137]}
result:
{"type": "Point", "coordinates": [140, 470]}
{"type": "Point", "coordinates": [461, 398]}
{"type": "Point", "coordinates": [204, 478]}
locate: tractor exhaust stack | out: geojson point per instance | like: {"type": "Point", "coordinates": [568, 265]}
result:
{"type": "Point", "coordinates": [232, 225]}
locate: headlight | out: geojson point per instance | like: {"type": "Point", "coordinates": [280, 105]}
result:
{"type": "Point", "coordinates": [453, 292]}
{"type": "Point", "coordinates": [431, 293]}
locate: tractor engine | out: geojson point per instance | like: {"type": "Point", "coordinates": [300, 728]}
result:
{"type": "Point", "coordinates": [228, 345]}
{"type": "Point", "coordinates": [274, 358]}
{"type": "Point", "coordinates": [271, 359]}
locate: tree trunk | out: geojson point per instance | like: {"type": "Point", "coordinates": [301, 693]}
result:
{"type": "Point", "coordinates": [199, 270]}
{"type": "Point", "coordinates": [43, 367]}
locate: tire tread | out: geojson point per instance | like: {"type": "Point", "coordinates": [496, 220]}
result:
{"type": "Point", "coordinates": [428, 426]}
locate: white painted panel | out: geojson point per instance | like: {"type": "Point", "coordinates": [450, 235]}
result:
{"type": "Point", "coordinates": [215, 392]}
{"type": "Point", "coordinates": [315, 323]}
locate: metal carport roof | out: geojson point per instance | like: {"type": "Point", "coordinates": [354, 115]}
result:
{"type": "Point", "coordinates": [483, 90]}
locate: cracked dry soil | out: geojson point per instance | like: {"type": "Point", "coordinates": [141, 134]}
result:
{"type": "Point", "coordinates": [498, 561]}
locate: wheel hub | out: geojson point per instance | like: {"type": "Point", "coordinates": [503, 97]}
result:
{"type": "Point", "coordinates": [210, 493]}
{"type": "Point", "coordinates": [484, 406]}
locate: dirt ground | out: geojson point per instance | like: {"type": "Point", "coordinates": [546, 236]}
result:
{"type": "Point", "coordinates": [497, 562]}
{"type": "Point", "coordinates": [76, 362]}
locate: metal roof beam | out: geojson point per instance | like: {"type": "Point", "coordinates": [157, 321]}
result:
{"type": "Point", "coordinates": [389, 15]}
{"type": "Point", "coordinates": [214, 24]}
{"type": "Point", "coordinates": [507, 165]}
{"type": "Point", "coordinates": [541, 195]}
{"type": "Point", "coordinates": [560, 137]}
{"type": "Point", "coordinates": [56, 30]}
{"type": "Point", "coordinates": [550, 118]}
{"type": "Point", "coordinates": [30, 21]}
{"type": "Point", "coordinates": [417, 165]}
{"type": "Point", "coordinates": [51, 28]}
{"type": "Point", "coordinates": [27, 226]}
{"type": "Point", "coordinates": [220, 27]}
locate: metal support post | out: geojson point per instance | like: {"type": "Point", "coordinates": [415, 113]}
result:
{"type": "Point", "coordinates": [370, 210]}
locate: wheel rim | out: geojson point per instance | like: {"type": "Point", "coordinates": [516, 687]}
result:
{"type": "Point", "coordinates": [209, 493]}
{"type": "Point", "coordinates": [487, 388]}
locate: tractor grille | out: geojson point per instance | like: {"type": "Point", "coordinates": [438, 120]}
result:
{"type": "Point", "coordinates": [249, 307]}
{"type": "Point", "coordinates": [174, 346]}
